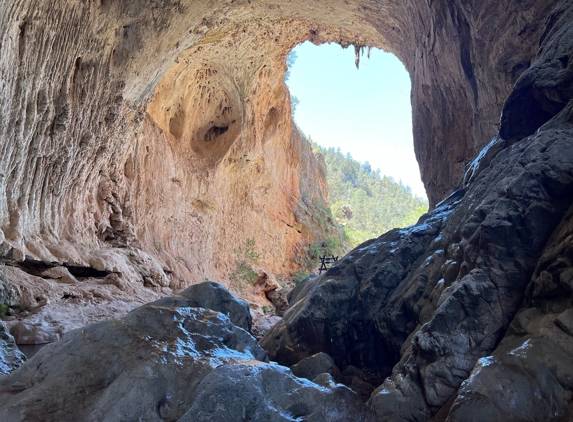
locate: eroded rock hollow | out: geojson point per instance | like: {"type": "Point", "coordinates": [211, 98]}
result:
{"type": "Point", "coordinates": [142, 142]}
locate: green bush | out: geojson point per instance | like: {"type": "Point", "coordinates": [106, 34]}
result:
{"type": "Point", "coordinates": [299, 276]}
{"type": "Point", "coordinates": [247, 252]}
{"type": "Point", "coordinates": [244, 274]}
{"type": "Point", "coordinates": [4, 309]}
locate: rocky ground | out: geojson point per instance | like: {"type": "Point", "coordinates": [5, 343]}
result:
{"type": "Point", "coordinates": [188, 358]}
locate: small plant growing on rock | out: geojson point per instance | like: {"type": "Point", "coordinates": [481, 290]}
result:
{"type": "Point", "coordinates": [244, 274]}
{"type": "Point", "coordinates": [265, 310]}
{"type": "Point", "coordinates": [4, 310]}
{"type": "Point", "coordinates": [299, 276]}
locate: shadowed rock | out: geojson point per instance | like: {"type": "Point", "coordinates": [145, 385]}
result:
{"type": "Point", "coordinates": [261, 392]}
{"type": "Point", "coordinates": [315, 365]}
{"type": "Point", "coordinates": [155, 363]}
{"type": "Point", "coordinates": [147, 365]}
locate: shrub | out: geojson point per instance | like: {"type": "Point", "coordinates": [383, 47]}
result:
{"type": "Point", "coordinates": [299, 276]}
{"type": "Point", "coordinates": [4, 310]}
{"type": "Point", "coordinates": [244, 274]}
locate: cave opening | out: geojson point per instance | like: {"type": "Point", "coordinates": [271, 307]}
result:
{"type": "Point", "coordinates": [353, 104]}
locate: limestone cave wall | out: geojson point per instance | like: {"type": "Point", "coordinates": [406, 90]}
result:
{"type": "Point", "coordinates": [165, 126]}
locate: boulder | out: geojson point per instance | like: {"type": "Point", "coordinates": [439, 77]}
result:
{"type": "Point", "coordinates": [278, 297]}
{"type": "Point", "coordinates": [35, 333]}
{"type": "Point", "coordinates": [147, 365]}
{"type": "Point", "coordinates": [211, 295]}
{"type": "Point", "coordinates": [262, 324]}
{"type": "Point", "coordinates": [270, 393]}
{"type": "Point", "coordinates": [315, 365]}
{"type": "Point", "coordinates": [10, 356]}
{"type": "Point", "coordinates": [61, 274]}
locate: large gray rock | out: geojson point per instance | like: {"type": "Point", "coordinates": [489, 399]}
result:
{"type": "Point", "coordinates": [10, 356]}
{"type": "Point", "coordinates": [211, 295]}
{"type": "Point", "coordinates": [146, 366]}
{"type": "Point", "coordinates": [527, 380]}
{"type": "Point", "coordinates": [315, 365]}
{"type": "Point", "coordinates": [270, 393]}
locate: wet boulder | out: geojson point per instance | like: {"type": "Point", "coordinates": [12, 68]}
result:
{"type": "Point", "coordinates": [211, 295]}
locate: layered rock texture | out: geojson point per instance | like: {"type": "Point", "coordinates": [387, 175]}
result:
{"type": "Point", "coordinates": [143, 142]}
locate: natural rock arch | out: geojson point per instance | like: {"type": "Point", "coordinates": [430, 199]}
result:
{"type": "Point", "coordinates": [77, 79]}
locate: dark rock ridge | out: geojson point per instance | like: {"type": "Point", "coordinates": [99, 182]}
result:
{"type": "Point", "coordinates": [168, 361]}
{"type": "Point", "coordinates": [466, 315]}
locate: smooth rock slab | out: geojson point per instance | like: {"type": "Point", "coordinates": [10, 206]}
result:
{"type": "Point", "coordinates": [211, 295]}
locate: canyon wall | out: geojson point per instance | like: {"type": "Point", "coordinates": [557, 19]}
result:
{"type": "Point", "coordinates": [143, 142]}
{"type": "Point", "coordinates": [165, 127]}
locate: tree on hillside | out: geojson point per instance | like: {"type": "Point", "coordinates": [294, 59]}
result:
{"type": "Point", "coordinates": [365, 203]}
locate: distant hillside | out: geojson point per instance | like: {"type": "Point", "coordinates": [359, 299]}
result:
{"type": "Point", "coordinates": [365, 203]}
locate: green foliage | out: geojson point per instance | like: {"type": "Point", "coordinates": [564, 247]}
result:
{"type": "Point", "coordinates": [247, 252]}
{"type": "Point", "coordinates": [244, 274]}
{"type": "Point", "coordinates": [365, 203]}
{"type": "Point", "coordinates": [265, 309]}
{"type": "Point", "coordinates": [299, 276]}
{"type": "Point", "coordinates": [291, 58]}
{"type": "Point", "coordinates": [294, 102]}
{"type": "Point", "coordinates": [281, 280]}
{"type": "Point", "coordinates": [329, 246]}
{"type": "Point", "coordinates": [4, 310]}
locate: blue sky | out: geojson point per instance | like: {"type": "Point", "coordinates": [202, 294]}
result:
{"type": "Point", "coordinates": [365, 111]}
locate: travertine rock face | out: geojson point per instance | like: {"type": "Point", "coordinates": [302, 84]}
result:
{"type": "Point", "coordinates": [166, 127]}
